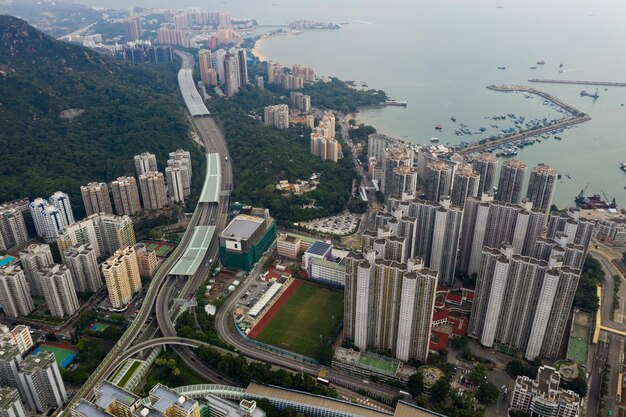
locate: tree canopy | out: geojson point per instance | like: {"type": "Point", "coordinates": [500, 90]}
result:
{"type": "Point", "coordinates": [121, 109]}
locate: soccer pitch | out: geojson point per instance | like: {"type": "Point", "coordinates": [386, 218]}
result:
{"type": "Point", "coordinates": [304, 316]}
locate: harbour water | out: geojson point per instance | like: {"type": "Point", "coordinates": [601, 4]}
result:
{"type": "Point", "coordinates": [442, 63]}
{"type": "Point", "coordinates": [439, 55]}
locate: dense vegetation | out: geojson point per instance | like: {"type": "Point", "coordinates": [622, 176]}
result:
{"type": "Point", "coordinates": [335, 94]}
{"type": "Point", "coordinates": [91, 353]}
{"type": "Point", "coordinates": [262, 156]}
{"type": "Point", "coordinates": [236, 367]}
{"type": "Point", "coordinates": [127, 109]}
{"type": "Point", "coordinates": [586, 294]}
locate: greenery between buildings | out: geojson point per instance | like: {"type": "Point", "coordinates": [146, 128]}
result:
{"type": "Point", "coordinates": [262, 156]}
{"type": "Point", "coordinates": [592, 275]}
{"type": "Point", "coordinates": [90, 354]}
{"type": "Point", "coordinates": [617, 283]}
{"type": "Point", "coordinates": [236, 367]}
{"type": "Point", "coordinates": [171, 371]}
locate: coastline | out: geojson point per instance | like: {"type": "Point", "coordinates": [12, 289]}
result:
{"type": "Point", "coordinates": [256, 51]}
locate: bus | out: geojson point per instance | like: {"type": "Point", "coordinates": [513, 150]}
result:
{"type": "Point", "coordinates": [322, 381]}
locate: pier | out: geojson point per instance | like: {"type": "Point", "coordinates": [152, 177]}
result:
{"type": "Point", "coordinates": [594, 83]}
{"type": "Point", "coordinates": [577, 118]}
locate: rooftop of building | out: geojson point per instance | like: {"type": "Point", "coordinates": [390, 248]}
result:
{"type": "Point", "coordinates": [269, 391]}
{"type": "Point", "coordinates": [90, 410]}
{"type": "Point", "coordinates": [8, 352]}
{"type": "Point", "coordinates": [289, 238]}
{"type": "Point", "coordinates": [7, 397]}
{"type": "Point", "coordinates": [339, 266]}
{"type": "Point", "coordinates": [319, 248]}
{"type": "Point", "coordinates": [167, 397]}
{"type": "Point", "coordinates": [243, 226]}
{"type": "Point", "coordinates": [109, 393]}
{"type": "Point", "coordinates": [41, 360]}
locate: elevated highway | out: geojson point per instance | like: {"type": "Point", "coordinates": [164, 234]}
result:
{"type": "Point", "coordinates": [204, 214]}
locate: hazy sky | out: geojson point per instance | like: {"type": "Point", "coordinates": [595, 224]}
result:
{"type": "Point", "coordinates": [271, 10]}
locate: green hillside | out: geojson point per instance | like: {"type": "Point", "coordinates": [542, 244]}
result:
{"type": "Point", "coordinates": [124, 109]}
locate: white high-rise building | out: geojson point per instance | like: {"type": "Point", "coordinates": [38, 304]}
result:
{"type": "Point", "coordinates": [184, 157]}
{"type": "Point", "coordinates": [10, 403]}
{"type": "Point", "coordinates": [432, 231]}
{"type": "Point", "coordinates": [492, 223]}
{"type": "Point", "coordinates": [82, 262]}
{"type": "Point", "coordinates": [49, 221]}
{"type": "Point", "coordinates": [217, 63]}
{"type": "Point", "coordinates": [33, 258]}
{"type": "Point", "coordinates": [523, 303]}
{"type": "Point", "coordinates": [14, 292]}
{"type": "Point", "coordinates": [145, 162]}
{"type": "Point", "coordinates": [58, 290]}
{"type": "Point", "coordinates": [61, 201]}
{"type": "Point", "coordinates": [175, 176]}
{"type": "Point", "coordinates": [10, 358]}
{"type": "Point", "coordinates": [41, 382]}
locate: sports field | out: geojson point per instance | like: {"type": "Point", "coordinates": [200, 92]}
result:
{"type": "Point", "coordinates": [161, 249]}
{"type": "Point", "coordinates": [63, 354]}
{"type": "Point", "coordinates": [383, 365]}
{"type": "Point", "coordinates": [307, 313]}
{"type": "Point", "coordinates": [577, 350]}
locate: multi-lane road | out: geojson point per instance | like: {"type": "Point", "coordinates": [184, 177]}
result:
{"type": "Point", "coordinates": [610, 347]}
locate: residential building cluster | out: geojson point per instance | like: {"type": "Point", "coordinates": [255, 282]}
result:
{"type": "Point", "coordinates": [113, 401]}
{"type": "Point", "coordinates": [140, 52]}
{"type": "Point", "coordinates": [442, 219]}
{"type": "Point", "coordinates": [323, 142]}
{"type": "Point", "coordinates": [276, 116]}
{"type": "Point", "coordinates": [82, 244]}
{"type": "Point", "coordinates": [33, 379]}
{"type": "Point", "coordinates": [226, 68]}
{"type": "Point", "coordinates": [293, 79]}
{"type": "Point", "coordinates": [544, 395]}
{"type": "Point", "coordinates": [301, 101]}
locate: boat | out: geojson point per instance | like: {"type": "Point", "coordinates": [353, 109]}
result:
{"type": "Point", "coordinates": [533, 67]}
{"type": "Point", "coordinates": [541, 62]}
{"type": "Point", "coordinates": [558, 138]}
{"type": "Point", "coordinates": [438, 126]}
{"type": "Point", "coordinates": [400, 103]}
{"type": "Point", "coordinates": [453, 119]}
{"type": "Point", "coordinates": [594, 201]}
{"type": "Point", "coordinates": [501, 68]}
{"type": "Point", "coordinates": [595, 95]}
{"type": "Point", "coordinates": [623, 166]}
{"type": "Point", "coordinates": [434, 140]}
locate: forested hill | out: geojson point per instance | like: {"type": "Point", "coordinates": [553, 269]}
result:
{"type": "Point", "coordinates": [69, 115]}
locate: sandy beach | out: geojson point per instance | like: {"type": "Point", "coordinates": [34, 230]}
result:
{"type": "Point", "coordinates": [256, 51]}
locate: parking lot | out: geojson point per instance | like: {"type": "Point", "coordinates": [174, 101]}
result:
{"type": "Point", "coordinates": [341, 224]}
